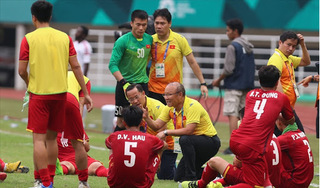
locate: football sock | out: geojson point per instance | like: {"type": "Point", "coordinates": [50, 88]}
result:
{"type": "Point", "coordinates": [36, 175]}
{"type": "Point", "coordinates": [83, 175]}
{"type": "Point", "coordinates": [2, 165]}
{"type": "Point", "coordinates": [52, 171]}
{"type": "Point", "coordinates": [45, 177]}
{"type": "Point", "coordinates": [102, 171]}
{"type": "Point", "coordinates": [208, 175]}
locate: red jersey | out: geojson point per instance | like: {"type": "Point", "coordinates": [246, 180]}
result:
{"type": "Point", "coordinates": [262, 110]}
{"type": "Point", "coordinates": [134, 157]}
{"type": "Point", "coordinates": [274, 158]}
{"type": "Point", "coordinates": [297, 159]}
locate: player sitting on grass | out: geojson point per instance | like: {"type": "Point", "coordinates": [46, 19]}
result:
{"type": "Point", "coordinates": [10, 168]}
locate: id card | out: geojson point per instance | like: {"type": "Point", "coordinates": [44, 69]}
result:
{"type": "Point", "coordinates": [160, 73]}
{"type": "Point", "coordinates": [176, 145]}
{"type": "Point", "coordinates": [296, 90]}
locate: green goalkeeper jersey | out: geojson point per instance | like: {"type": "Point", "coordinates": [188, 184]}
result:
{"type": "Point", "coordinates": [130, 57]}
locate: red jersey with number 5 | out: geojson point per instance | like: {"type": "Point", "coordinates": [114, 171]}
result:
{"type": "Point", "coordinates": [261, 112]}
{"type": "Point", "coordinates": [297, 160]}
{"type": "Point", "coordinates": [134, 158]}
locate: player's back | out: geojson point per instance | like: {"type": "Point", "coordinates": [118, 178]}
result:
{"type": "Point", "coordinates": [133, 153]}
{"type": "Point", "coordinates": [274, 158]}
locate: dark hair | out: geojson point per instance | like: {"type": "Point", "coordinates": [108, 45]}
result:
{"type": "Point", "coordinates": [132, 116]}
{"type": "Point", "coordinates": [85, 30]}
{"type": "Point", "coordinates": [42, 10]}
{"type": "Point", "coordinates": [289, 35]}
{"type": "Point", "coordinates": [181, 89]}
{"type": "Point", "coordinates": [132, 86]}
{"type": "Point", "coordinates": [235, 24]}
{"type": "Point", "coordinates": [143, 15]}
{"type": "Point", "coordinates": [268, 76]}
{"type": "Point", "coordinates": [163, 13]}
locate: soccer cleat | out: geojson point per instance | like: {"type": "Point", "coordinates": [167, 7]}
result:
{"type": "Point", "coordinates": [83, 184]}
{"type": "Point", "coordinates": [214, 185]}
{"type": "Point", "coordinates": [11, 167]}
{"type": "Point", "coordinates": [189, 184]}
{"type": "Point", "coordinates": [3, 176]}
{"type": "Point", "coordinates": [22, 169]}
{"type": "Point", "coordinates": [50, 186]}
{"type": "Point", "coordinates": [36, 184]}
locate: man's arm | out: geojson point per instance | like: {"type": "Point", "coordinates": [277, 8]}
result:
{"type": "Point", "coordinates": [197, 71]}
{"type": "Point", "coordinates": [188, 130]}
{"type": "Point", "coordinates": [23, 71]}
{"type": "Point", "coordinates": [79, 76]}
{"type": "Point", "coordinates": [305, 59]}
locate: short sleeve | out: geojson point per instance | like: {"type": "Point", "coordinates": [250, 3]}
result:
{"type": "Point", "coordinates": [184, 45]}
{"type": "Point", "coordinates": [109, 140]}
{"type": "Point", "coordinates": [164, 116]}
{"type": "Point", "coordinates": [24, 50]}
{"type": "Point", "coordinates": [157, 143]}
{"type": "Point", "coordinates": [88, 85]}
{"type": "Point", "coordinates": [72, 50]}
{"type": "Point", "coordinates": [193, 114]}
{"type": "Point", "coordinates": [295, 60]}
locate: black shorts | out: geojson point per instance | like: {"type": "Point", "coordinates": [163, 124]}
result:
{"type": "Point", "coordinates": [121, 100]}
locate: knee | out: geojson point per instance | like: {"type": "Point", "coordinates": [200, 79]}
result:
{"type": "Point", "coordinates": [214, 161]}
{"type": "Point", "coordinates": [184, 141]}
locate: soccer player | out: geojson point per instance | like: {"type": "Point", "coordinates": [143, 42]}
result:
{"type": "Point", "coordinates": [168, 50]}
{"type": "Point", "coordinates": [129, 60]}
{"type": "Point", "coordinates": [134, 156]}
{"type": "Point", "coordinates": [297, 157]}
{"type": "Point", "coordinates": [193, 130]}
{"type": "Point", "coordinates": [48, 52]}
{"type": "Point", "coordinates": [137, 97]}
{"type": "Point", "coordinates": [11, 167]}
{"type": "Point", "coordinates": [286, 63]}
{"type": "Point", "coordinates": [66, 155]}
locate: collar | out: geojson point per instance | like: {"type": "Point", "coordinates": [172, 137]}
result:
{"type": "Point", "coordinates": [283, 57]}
{"type": "Point", "coordinates": [292, 127]}
{"type": "Point", "coordinates": [156, 38]}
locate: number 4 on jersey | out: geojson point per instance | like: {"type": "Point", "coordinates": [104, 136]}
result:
{"type": "Point", "coordinates": [259, 108]}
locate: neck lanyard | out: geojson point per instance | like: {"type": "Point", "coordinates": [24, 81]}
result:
{"type": "Point", "coordinates": [292, 80]}
{"type": "Point", "coordinates": [175, 118]}
{"type": "Point", "coordinates": [165, 52]}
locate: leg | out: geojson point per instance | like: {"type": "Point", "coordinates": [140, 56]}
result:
{"type": "Point", "coordinates": [167, 165]}
{"type": "Point", "coordinates": [180, 171]}
{"type": "Point", "coordinates": [189, 156]}
{"type": "Point", "coordinates": [81, 159]}
{"type": "Point", "coordinates": [67, 167]}
{"type": "Point", "coordinates": [52, 149]}
{"type": "Point", "coordinates": [121, 102]}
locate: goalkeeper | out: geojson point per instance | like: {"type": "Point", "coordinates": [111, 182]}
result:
{"type": "Point", "coordinates": [129, 60]}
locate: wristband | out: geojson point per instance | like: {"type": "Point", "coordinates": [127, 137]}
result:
{"type": "Point", "coordinates": [203, 84]}
{"type": "Point", "coordinates": [123, 81]}
{"type": "Point", "coordinates": [165, 132]}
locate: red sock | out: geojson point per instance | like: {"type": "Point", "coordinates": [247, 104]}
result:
{"type": "Point", "coordinates": [83, 175]}
{"type": "Point", "coordinates": [102, 171]}
{"type": "Point", "coordinates": [36, 174]}
{"type": "Point", "coordinates": [2, 165]}
{"type": "Point", "coordinates": [52, 171]}
{"type": "Point", "coordinates": [65, 169]}
{"type": "Point", "coordinates": [208, 175]}
{"type": "Point", "coordinates": [45, 177]}
{"type": "Point", "coordinates": [221, 181]}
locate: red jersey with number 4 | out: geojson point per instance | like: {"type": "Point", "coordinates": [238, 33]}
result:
{"type": "Point", "coordinates": [261, 111]}
{"type": "Point", "coordinates": [134, 158]}
{"type": "Point", "coordinates": [297, 160]}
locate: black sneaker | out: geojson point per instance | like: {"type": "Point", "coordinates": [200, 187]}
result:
{"type": "Point", "coordinates": [227, 152]}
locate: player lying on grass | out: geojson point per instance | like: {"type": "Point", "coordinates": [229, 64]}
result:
{"type": "Point", "coordinates": [10, 168]}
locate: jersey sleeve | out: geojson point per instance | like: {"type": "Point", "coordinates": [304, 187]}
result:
{"type": "Point", "coordinates": [287, 111]}
{"type": "Point", "coordinates": [109, 140]}
{"type": "Point", "coordinates": [295, 60]}
{"type": "Point", "coordinates": [24, 50]}
{"type": "Point", "coordinates": [184, 45]}
{"type": "Point", "coordinates": [164, 116]}
{"type": "Point", "coordinates": [276, 61]}
{"type": "Point", "coordinates": [284, 142]}
{"type": "Point", "coordinates": [72, 50]}
{"type": "Point", "coordinates": [157, 143]}
{"type": "Point", "coordinates": [88, 85]}
{"type": "Point", "coordinates": [116, 55]}
{"type": "Point", "coordinates": [193, 113]}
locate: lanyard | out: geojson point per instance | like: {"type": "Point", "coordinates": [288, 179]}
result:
{"type": "Point", "coordinates": [292, 80]}
{"type": "Point", "coordinates": [165, 52]}
{"type": "Point", "coordinates": [175, 118]}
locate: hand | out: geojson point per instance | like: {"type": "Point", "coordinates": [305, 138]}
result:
{"type": "Point", "coordinates": [301, 39]}
{"type": "Point", "coordinates": [88, 102]}
{"type": "Point", "coordinates": [204, 91]}
{"type": "Point", "coordinates": [305, 81]}
{"type": "Point", "coordinates": [145, 112]}
{"type": "Point", "coordinates": [161, 135]}
{"type": "Point", "coordinates": [216, 83]}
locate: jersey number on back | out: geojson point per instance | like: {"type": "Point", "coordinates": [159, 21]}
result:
{"type": "Point", "coordinates": [309, 150]}
{"type": "Point", "coordinates": [127, 152]}
{"type": "Point", "coordinates": [259, 108]}
{"type": "Point", "coordinates": [140, 52]}
{"type": "Point", "coordinates": [275, 160]}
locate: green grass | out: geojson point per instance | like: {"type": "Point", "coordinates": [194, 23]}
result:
{"type": "Point", "coordinates": [16, 144]}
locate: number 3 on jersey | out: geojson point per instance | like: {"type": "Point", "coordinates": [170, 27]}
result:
{"type": "Point", "coordinates": [259, 108]}
{"type": "Point", "coordinates": [127, 152]}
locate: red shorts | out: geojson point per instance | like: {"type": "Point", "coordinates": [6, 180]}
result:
{"type": "Point", "coordinates": [233, 175]}
{"type": "Point", "coordinates": [73, 128]}
{"type": "Point", "coordinates": [46, 112]}
{"type": "Point", "coordinates": [254, 164]}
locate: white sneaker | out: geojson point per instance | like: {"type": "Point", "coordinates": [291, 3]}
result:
{"type": "Point", "coordinates": [36, 184]}
{"type": "Point", "coordinates": [83, 184]}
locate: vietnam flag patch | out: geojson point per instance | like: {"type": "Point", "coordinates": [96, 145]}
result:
{"type": "Point", "coordinates": [172, 46]}
{"type": "Point", "coordinates": [148, 46]}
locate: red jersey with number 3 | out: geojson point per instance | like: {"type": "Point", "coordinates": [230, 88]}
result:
{"type": "Point", "coordinates": [134, 158]}
{"type": "Point", "coordinates": [261, 111]}
{"type": "Point", "coordinates": [274, 159]}
{"type": "Point", "coordinates": [297, 160]}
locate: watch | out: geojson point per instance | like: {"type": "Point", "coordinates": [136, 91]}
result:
{"type": "Point", "coordinates": [203, 84]}
{"type": "Point", "coordinates": [165, 132]}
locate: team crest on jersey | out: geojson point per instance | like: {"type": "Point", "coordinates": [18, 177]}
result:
{"type": "Point", "coordinates": [172, 47]}
{"type": "Point", "coordinates": [148, 46]}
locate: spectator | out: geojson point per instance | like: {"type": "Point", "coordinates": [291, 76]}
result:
{"type": "Point", "coordinates": [134, 156]}
{"type": "Point", "coordinates": [238, 73]}
{"type": "Point", "coordinates": [198, 137]}
{"type": "Point", "coordinates": [283, 59]}
{"type": "Point", "coordinates": [48, 51]}
{"type": "Point", "coordinates": [168, 50]}
{"type": "Point", "coordinates": [129, 60]}
{"type": "Point", "coordinates": [83, 49]}
{"type": "Point", "coordinates": [137, 97]}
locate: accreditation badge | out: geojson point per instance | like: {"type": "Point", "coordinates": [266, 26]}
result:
{"type": "Point", "coordinates": [160, 73]}
{"type": "Point", "coordinates": [296, 90]}
{"type": "Point", "coordinates": [176, 145]}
